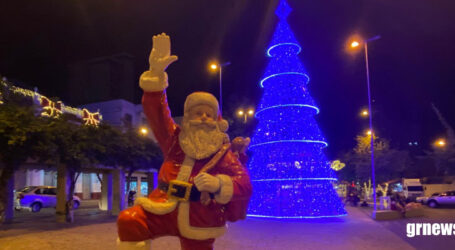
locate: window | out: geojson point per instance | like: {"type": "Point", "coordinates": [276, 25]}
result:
{"type": "Point", "coordinates": [50, 191]}
{"type": "Point", "coordinates": [415, 188]}
{"type": "Point", "coordinates": [26, 189]}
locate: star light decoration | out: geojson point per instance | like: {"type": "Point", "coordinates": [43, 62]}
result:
{"type": "Point", "coordinates": [337, 165]}
{"type": "Point", "coordinates": [290, 173]}
{"type": "Point", "coordinates": [50, 108]}
{"type": "Point", "coordinates": [91, 118]}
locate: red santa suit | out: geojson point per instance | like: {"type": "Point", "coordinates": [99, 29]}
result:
{"type": "Point", "coordinates": [196, 224]}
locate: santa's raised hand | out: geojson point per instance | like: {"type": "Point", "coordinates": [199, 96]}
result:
{"type": "Point", "coordinates": [160, 58]}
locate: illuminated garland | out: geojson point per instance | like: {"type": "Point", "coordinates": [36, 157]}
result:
{"type": "Point", "coordinates": [54, 109]}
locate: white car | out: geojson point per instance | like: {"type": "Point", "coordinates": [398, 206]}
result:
{"type": "Point", "coordinates": [424, 199]}
{"type": "Point", "coordinates": [36, 197]}
{"type": "Point", "coordinates": [445, 198]}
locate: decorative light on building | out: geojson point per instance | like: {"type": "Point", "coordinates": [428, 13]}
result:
{"type": "Point", "coordinates": [90, 118]}
{"type": "Point", "coordinates": [51, 108]}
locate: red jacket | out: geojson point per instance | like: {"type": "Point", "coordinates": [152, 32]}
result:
{"type": "Point", "coordinates": [234, 195]}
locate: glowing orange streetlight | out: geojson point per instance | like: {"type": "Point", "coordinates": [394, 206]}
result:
{"type": "Point", "coordinates": [364, 113]}
{"type": "Point", "coordinates": [144, 131]}
{"type": "Point", "coordinates": [245, 113]}
{"type": "Point", "coordinates": [214, 67]}
{"type": "Point", "coordinates": [440, 143]}
{"type": "Point", "coordinates": [355, 44]}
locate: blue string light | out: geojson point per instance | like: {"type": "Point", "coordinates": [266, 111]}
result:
{"type": "Point", "coordinates": [295, 217]}
{"type": "Point", "coordinates": [299, 179]}
{"type": "Point", "coordinates": [287, 141]}
{"type": "Point", "coordinates": [284, 73]}
{"type": "Point", "coordinates": [289, 105]}
{"type": "Point", "coordinates": [269, 51]}
{"type": "Point", "coordinates": [291, 175]}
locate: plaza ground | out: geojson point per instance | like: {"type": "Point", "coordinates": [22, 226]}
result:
{"type": "Point", "coordinates": [95, 229]}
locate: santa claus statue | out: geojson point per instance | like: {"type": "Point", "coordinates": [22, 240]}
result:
{"type": "Point", "coordinates": [201, 184]}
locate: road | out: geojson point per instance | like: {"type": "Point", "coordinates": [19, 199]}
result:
{"type": "Point", "coordinates": [94, 229]}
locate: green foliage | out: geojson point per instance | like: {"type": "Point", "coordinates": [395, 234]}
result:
{"type": "Point", "coordinates": [389, 163]}
{"type": "Point", "coordinates": [21, 134]}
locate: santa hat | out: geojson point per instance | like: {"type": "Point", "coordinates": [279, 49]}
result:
{"type": "Point", "coordinates": [204, 98]}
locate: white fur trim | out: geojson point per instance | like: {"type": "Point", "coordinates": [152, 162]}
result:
{"type": "Point", "coordinates": [134, 245]}
{"type": "Point", "coordinates": [198, 98]}
{"type": "Point", "coordinates": [156, 207]}
{"type": "Point", "coordinates": [151, 83]}
{"type": "Point", "coordinates": [195, 233]}
{"type": "Point", "coordinates": [226, 190]}
{"type": "Point", "coordinates": [185, 169]}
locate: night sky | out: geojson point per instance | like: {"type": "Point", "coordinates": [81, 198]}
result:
{"type": "Point", "coordinates": [412, 65]}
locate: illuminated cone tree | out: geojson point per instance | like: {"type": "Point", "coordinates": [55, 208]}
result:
{"type": "Point", "coordinates": [290, 173]}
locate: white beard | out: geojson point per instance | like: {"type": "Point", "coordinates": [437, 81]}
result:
{"type": "Point", "coordinates": [200, 140]}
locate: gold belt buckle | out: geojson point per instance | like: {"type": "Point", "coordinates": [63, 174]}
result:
{"type": "Point", "coordinates": [179, 190]}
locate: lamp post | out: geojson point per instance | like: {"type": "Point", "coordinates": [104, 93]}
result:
{"type": "Point", "coordinates": [245, 113]}
{"type": "Point", "coordinates": [440, 143]}
{"type": "Point", "coordinates": [214, 67]}
{"type": "Point", "coordinates": [143, 131]}
{"type": "Point", "coordinates": [355, 44]}
{"type": "Point", "coordinates": [364, 113]}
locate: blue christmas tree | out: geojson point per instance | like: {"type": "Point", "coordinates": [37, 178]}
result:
{"type": "Point", "coordinates": [290, 173]}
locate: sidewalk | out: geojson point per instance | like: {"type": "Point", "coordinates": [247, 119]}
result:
{"type": "Point", "coordinates": [97, 230]}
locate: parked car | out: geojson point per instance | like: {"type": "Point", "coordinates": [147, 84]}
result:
{"type": "Point", "coordinates": [424, 199]}
{"type": "Point", "coordinates": [37, 197]}
{"type": "Point", "coordinates": [445, 198]}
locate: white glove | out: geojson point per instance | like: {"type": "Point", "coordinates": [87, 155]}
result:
{"type": "Point", "coordinates": [207, 182]}
{"type": "Point", "coordinates": [160, 57]}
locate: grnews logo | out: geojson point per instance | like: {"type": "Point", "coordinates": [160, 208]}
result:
{"type": "Point", "coordinates": [427, 229]}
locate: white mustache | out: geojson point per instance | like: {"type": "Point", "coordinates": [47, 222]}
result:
{"type": "Point", "coordinates": [198, 123]}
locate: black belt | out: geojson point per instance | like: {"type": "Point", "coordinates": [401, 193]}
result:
{"type": "Point", "coordinates": [180, 190]}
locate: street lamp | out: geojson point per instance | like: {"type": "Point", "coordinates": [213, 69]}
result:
{"type": "Point", "coordinates": [364, 113]}
{"type": "Point", "coordinates": [440, 143]}
{"type": "Point", "coordinates": [245, 113]}
{"type": "Point", "coordinates": [355, 44]}
{"type": "Point", "coordinates": [143, 131]}
{"type": "Point", "coordinates": [214, 67]}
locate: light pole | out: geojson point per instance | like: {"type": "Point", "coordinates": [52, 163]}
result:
{"type": "Point", "coordinates": [364, 113]}
{"type": "Point", "coordinates": [355, 44]}
{"type": "Point", "coordinates": [143, 131]}
{"type": "Point", "coordinates": [440, 143]}
{"type": "Point", "coordinates": [245, 113]}
{"type": "Point", "coordinates": [214, 67]}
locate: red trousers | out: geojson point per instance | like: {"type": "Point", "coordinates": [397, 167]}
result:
{"type": "Point", "coordinates": [135, 224]}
